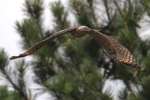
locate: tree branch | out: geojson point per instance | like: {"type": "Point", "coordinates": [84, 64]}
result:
{"type": "Point", "coordinates": [107, 9]}
{"type": "Point", "coordinates": [118, 8]}
{"type": "Point", "coordinates": [21, 93]}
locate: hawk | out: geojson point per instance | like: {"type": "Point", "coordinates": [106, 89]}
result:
{"type": "Point", "coordinates": [117, 51]}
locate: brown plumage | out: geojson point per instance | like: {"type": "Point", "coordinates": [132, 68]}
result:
{"type": "Point", "coordinates": [117, 51]}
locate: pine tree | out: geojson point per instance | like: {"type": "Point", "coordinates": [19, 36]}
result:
{"type": "Point", "coordinates": [72, 67]}
{"type": "Point", "coordinates": [15, 84]}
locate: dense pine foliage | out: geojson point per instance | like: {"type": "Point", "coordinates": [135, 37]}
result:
{"type": "Point", "coordinates": [77, 68]}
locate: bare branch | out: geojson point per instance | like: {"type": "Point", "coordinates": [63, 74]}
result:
{"type": "Point", "coordinates": [107, 9]}
{"type": "Point", "coordinates": [118, 8]}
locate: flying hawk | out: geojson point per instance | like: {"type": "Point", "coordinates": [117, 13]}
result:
{"type": "Point", "coordinates": [117, 51]}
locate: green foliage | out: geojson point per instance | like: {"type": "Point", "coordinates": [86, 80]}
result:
{"type": "Point", "coordinates": [29, 30]}
{"type": "Point", "coordinates": [146, 4]}
{"type": "Point", "coordinates": [146, 87]}
{"type": "Point", "coordinates": [18, 92]}
{"type": "Point", "coordinates": [60, 15]}
{"type": "Point", "coordinates": [34, 8]}
{"type": "Point", "coordinates": [71, 87]}
{"type": "Point", "coordinates": [84, 12]}
{"type": "Point", "coordinates": [125, 24]}
{"type": "Point", "coordinates": [3, 59]}
{"type": "Point", "coordinates": [133, 97]}
{"type": "Point", "coordinates": [72, 73]}
{"type": "Point", "coordinates": [8, 95]}
{"type": "Point", "coordinates": [4, 94]}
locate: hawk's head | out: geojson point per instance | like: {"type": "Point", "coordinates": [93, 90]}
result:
{"type": "Point", "coordinates": [81, 31]}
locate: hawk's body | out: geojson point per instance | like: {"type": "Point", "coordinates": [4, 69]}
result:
{"type": "Point", "coordinates": [116, 50]}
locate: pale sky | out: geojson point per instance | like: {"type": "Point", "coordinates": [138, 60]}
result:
{"type": "Point", "coordinates": [11, 11]}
